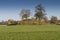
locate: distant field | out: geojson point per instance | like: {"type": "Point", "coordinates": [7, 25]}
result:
{"type": "Point", "coordinates": [30, 32]}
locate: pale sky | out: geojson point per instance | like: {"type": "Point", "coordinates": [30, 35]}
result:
{"type": "Point", "coordinates": [10, 9]}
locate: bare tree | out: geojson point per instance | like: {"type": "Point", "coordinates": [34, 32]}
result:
{"type": "Point", "coordinates": [25, 14]}
{"type": "Point", "coordinates": [40, 12]}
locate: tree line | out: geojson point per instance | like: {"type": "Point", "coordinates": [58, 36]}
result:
{"type": "Point", "coordinates": [39, 18]}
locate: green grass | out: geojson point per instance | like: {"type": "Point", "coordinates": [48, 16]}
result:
{"type": "Point", "coordinates": [30, 32]}
{"type": "Point", "coordinates": [29, 28]}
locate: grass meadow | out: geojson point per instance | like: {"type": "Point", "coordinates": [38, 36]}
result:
{"type": "Point", "coordinates": [30, 32]}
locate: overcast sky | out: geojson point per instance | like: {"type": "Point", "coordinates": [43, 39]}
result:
{"type": "Point", "coordinates": [10, 9]}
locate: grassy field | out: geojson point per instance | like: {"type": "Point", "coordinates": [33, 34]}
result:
{"type": "Point", "coordinates": [30, 32]}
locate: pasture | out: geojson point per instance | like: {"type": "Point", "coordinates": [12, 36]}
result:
{"type": "Point", "coordinates": [30, 32]}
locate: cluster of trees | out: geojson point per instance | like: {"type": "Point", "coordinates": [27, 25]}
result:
{"type": "Point", "coordinates": [39, 17]}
